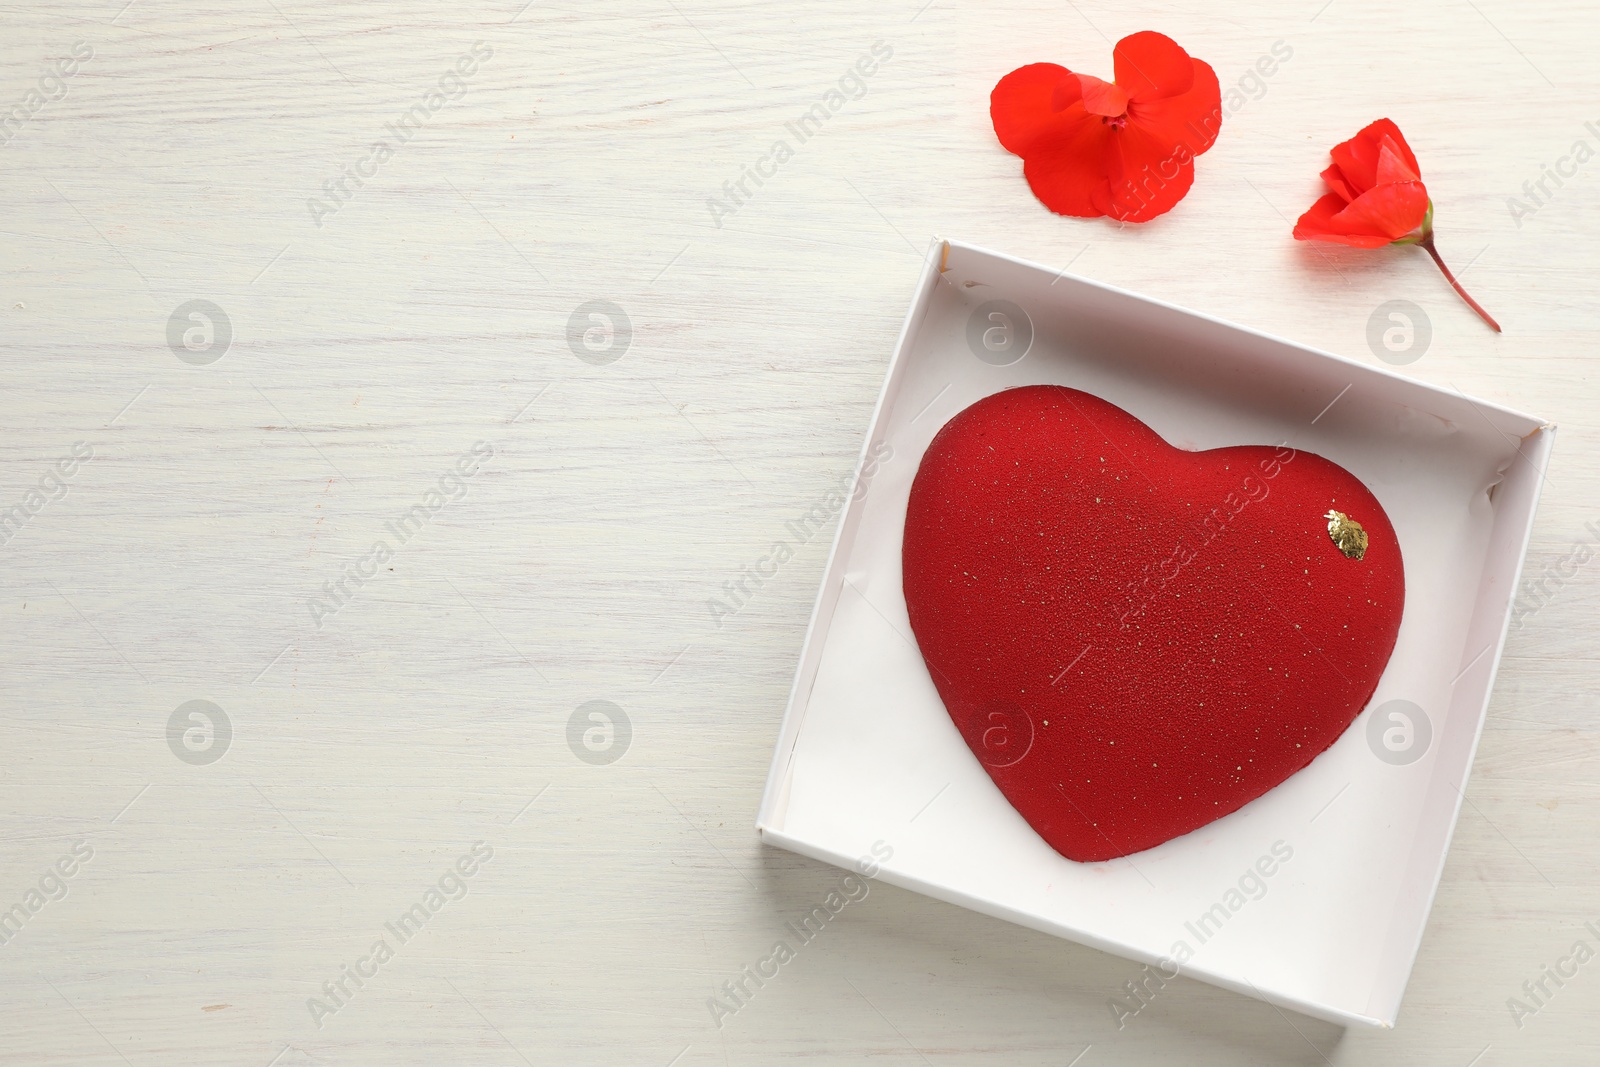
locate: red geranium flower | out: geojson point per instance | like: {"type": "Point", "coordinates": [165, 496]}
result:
{"type": "Point", "coordinates": [1378, 199]}
{"type": "Point", "coordinates": [1124, 149]}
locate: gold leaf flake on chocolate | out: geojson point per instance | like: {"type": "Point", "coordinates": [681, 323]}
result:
{"type": "Point", "coordinates": [1346, 534]}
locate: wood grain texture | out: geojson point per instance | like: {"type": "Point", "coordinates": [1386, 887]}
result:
{"type": "Point", "coordinates": [371, 747]}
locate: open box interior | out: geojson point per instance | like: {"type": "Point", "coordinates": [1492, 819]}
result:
{"type": "Point", "coordinates": [866, 743]}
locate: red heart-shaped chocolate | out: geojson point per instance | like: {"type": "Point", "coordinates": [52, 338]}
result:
{"type": "Point", "coordinates": [1133, 639]}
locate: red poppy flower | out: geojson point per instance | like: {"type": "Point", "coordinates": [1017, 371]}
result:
{"type": "Point", "coordinates": [1378, 199]}
{"type": "Point", "coordinates": [1124, 149]}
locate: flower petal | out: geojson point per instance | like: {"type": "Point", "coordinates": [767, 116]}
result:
{"type": "Point", "coordinates": [1192, 118]}
{"type": "Point", "coordinates": [1030, 102]}
{"type": "Point", "coordinates": [1102, 98]}
{"type": "Point", "coordinates": [1357, 158]}
{"type": "Point", "coordinates": [1391, 132]}
{"type": "Point", "coordinates": [1335, 179]}
{"type": "Point", "coordinates": [1392, 166]}
{"type": "Point", "coordinates": [1389, 210]}
{"type": "Point", "coordinates": [1315, 224]}
{"type": "Point", "coordinates": [1067, 171]}
{"type": "Point", "coordinates": [1145, 175]}
{"type": "Point", "coordinates": [1151, 66]}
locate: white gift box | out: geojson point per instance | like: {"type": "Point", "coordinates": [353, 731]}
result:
{"type": "Point", "coordinates": [1314, 896]}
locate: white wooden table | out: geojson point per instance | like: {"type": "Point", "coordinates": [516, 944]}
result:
{"type": "Point", "coordinates": [386, 710]}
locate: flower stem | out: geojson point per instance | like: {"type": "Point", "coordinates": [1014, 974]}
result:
{"type": "Point", "coordinates": [1426, 241]}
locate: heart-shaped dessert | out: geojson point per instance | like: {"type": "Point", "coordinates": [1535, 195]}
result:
{"type": "Point", "coordinates": [1133, 639]}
